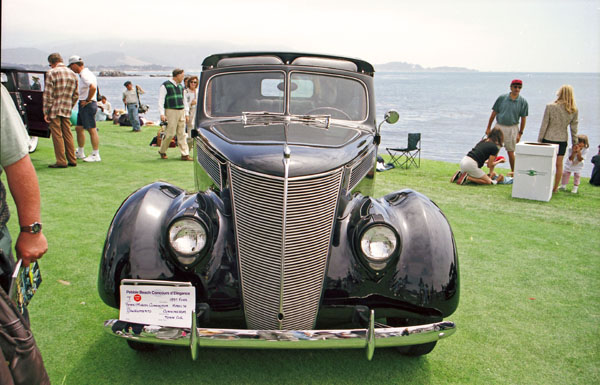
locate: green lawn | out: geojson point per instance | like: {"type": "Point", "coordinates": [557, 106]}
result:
{"type": "Point", "coordinates": [530, 285]}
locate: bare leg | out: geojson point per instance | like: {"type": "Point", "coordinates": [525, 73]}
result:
{"type": "Point", "coordinates": [483, 180]}
{"type": "Point", "coordinates": [559, 172]}
{"type": "Point", "coordinates": [511, 160]}
{"type": "Point", "coordinates": [94, 138]}
{"type": "Point", "coordinates": [80, 136]}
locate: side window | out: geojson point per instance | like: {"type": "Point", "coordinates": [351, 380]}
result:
{"type": "Point", "coordinates": [30, 81]}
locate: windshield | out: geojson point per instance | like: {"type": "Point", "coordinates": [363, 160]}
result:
{"type": "Point", "coordinates": [339, 97]}
{"type": "Point", "coordinates": [234, 94]}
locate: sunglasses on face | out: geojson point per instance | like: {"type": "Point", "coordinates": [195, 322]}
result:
{"type": "Point", "coordinates": [517, 86]}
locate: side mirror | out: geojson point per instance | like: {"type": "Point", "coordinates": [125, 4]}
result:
{"type": "Point", "coordinates": [390, 117]}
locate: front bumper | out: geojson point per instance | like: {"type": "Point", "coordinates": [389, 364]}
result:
{"type": "Point", "coordinates": [369, 338]}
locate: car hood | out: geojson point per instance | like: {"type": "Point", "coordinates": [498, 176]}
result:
{"type": "Point", "coordinates": [312, 149]}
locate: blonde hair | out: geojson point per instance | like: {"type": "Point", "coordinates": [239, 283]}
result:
{"type": "Point", "coordinates": [565, 97]}
{"type": "Point", "coordinates": [583, 139]}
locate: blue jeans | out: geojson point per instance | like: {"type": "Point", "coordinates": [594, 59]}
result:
{"type": "Point", "coordinates": [132, 111]}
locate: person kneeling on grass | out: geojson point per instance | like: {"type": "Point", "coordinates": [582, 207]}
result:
{"type": "Point", "coordinates": [470, 165]}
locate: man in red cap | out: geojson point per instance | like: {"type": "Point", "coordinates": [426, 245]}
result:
{"type": "Point", "coordinates": [508, 110]}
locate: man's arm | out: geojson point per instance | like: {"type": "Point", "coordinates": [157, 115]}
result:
{"type": "Point", "coordinates": [47, 98]}
{"type": "Point", "coordinates": [489, 126]}
{"type": "Point", "coordinates": [90, 95]}
{"type": "Point", "coordinates": [24, 188]}
{"type": "Point", "coordinates": [162, 94]}
{"type": "Point", "coordinates": [522, 128]}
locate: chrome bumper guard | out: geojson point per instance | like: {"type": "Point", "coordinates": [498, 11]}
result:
{"type": "Point", "coordinates": [381, 337]}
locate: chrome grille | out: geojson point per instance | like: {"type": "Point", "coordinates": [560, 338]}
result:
{"type": "Point", "coordinates": [360, 169]}
{"type": "Point", "coordinates": [282, 271]}
{"type": "Point", "coordinates": [209, 163]}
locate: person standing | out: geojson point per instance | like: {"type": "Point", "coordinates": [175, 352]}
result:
{"type": "Point", "coordinates": [559, 115]}
{"type": "Point", "coordinates": [191, 98]}
{"type": "Point", "coordinates": [30, 246]}
{"type": "Point", "coordinates": [60, 96]}
{"type": "Point", "coordinates": [88, 105]}
{"type": "Point", "coordinates": [175, 111]}
{"type": "Point", "coordinates": [574, 163]}
{"type": "Point", "coordinates": [130, 100]}
{"type": "Point", "coordinates": [508, 110]}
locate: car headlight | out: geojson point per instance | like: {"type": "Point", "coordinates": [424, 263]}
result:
{"type": "Point", "coordinates": [188, 238]}
{"type": "Point", "coordinates": [378, 243]}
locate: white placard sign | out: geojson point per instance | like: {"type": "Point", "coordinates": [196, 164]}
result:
{"type": "Point", "coordinates": [158, 305]}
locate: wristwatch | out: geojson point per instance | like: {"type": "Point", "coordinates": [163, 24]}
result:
{"type": "Point", "coordinates": [33, 228]}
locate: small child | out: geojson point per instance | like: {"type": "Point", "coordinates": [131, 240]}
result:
{"type": "Point", "coordinates": [574, 163]}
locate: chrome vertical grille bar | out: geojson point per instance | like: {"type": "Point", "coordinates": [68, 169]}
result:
{"type": "Point", "coordinates": [282, 277]}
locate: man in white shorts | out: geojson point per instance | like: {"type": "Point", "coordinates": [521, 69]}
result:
{"type": "Point", "coordinates": [508, 110]}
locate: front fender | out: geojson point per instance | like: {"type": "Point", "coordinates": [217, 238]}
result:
{"type": "Point", "coordinates": [422, 277]}
{"type": "Point", "coordinates": [134, 242]}
{"type": "Point", "coordinates": [426, 273]}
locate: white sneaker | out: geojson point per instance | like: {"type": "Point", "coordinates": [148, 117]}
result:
{"type": "Point", "coordinates": [574, 190]}
{"type": "Point", "coordinates": [79, 155]}
{"type": "Point", "coordinates": [92, 158]}
{"type": "Point", "coordinates": [562, 188]}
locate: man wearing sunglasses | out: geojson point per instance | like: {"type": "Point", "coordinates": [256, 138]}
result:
{"type": "Point", "coordinates": [508, 110]}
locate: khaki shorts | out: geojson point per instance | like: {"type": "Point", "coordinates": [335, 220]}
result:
{"type": "Point", "coordinates": [510, 135]}
{"type": "Point", "coordinates": [469, 165]}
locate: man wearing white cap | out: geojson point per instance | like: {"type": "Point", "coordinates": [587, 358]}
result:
{"type": "Point", "coordinates": [88, 105]}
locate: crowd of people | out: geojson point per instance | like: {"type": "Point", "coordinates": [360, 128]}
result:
{"type": "Point", "coordinates": [71, 84]}
{"type": "Point", "coordinates": [510, 113]}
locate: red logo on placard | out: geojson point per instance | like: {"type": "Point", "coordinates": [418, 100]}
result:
{"type": "Point", "coordinates": [137, 298]}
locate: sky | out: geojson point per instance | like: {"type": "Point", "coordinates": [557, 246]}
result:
{"type": "Point", "coordinates": [487, 35]}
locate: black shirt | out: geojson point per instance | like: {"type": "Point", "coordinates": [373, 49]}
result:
{"type": "Point", "coordinates": [482, 151]}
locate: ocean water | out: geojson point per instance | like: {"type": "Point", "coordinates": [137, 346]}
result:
{"type": "Point", "coordinates": [450, 110]}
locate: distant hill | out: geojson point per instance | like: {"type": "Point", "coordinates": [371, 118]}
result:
{"type": "Point", "coordinates": [127, 55]}
{"type": "Point", "coordinates": [409, 67]}
{"type": "Point", "coordinates": [157, 56]}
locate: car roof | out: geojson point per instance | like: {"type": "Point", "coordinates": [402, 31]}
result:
{"type": "Point", "coordinates": [287, 58]}
{"type": "Point", "coordinates": [13, 68]}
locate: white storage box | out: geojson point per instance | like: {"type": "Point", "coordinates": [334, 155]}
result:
{"type": "Point", "coordinates": [535, 167]}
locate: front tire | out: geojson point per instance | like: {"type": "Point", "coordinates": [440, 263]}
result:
{"type": "Point", "coordinates": [411, 350]}
{"type": "Point", "coordinates": [141, 347]}
{"type": "Point", "coordinates": [416, 350]}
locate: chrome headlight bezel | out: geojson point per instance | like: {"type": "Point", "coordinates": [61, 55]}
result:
{"type": "Point", "coordinates": [380, 262]}
{"type": "Point", "coordinates": [188, 258]}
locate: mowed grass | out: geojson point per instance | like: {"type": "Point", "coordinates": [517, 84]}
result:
{"type": "Point", "coordinates": [529, 311]}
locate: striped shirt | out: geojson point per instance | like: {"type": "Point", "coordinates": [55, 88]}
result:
{"type": "Point", "coordinates": [60, 94]}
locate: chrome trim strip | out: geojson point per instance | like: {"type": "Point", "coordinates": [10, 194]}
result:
{"type": "Point", "coordinates": [370, 336]}
{"type": "Point", "coordinates": [287, 339]}
{"type": "Point", "coordinates": [286, 176]}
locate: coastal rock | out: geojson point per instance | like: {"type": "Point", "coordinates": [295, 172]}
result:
{"type": "Point", "coordinates": [112, 73]}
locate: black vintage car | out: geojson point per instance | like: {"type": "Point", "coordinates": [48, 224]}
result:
{"type": "Point", "coordinates": [282, 246]}
{"type": "Point", "coordinates": [27, 89]}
